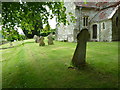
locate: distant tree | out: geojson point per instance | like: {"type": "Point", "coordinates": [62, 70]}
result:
{"type": "Point", "coordinates": [10, 34]}
{"type": "Point", "coordinates": [46, 30]}
{"type": "Point", "coordinates": [31, 16]}
{"type": "Point", "coordinates": [21, 37]}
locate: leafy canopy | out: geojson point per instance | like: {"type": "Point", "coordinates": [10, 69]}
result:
{"type": "Point", "coordinates": [31, 15]}
{"type": "Point", "coordinates": [27, 14]}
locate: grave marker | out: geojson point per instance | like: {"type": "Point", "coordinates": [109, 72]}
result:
{"type": "Point", "coordinates": [41, 41]}
{"type": "Point", "coordinates": [50, 39]}
{"type": "Point", "coordinates": [80, 52]}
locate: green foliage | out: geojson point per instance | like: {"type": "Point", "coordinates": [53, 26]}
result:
{"type": "Point", "coordinates": [72, 17]}
{"type": "Point", "coordinates": [21, 37]}
{"type": "Point", "coordinates": [10, 34]}
{"type": "Point", "coordinates": [31, 15]}
{"type": "Point", "coordinates": [47, 30]}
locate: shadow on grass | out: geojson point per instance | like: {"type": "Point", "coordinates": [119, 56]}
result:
{"type": "Point", "coordinates": [93, 71]}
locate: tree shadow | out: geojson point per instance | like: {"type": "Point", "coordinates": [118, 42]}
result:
{"type": "Point", "coordinates": [87, 68]}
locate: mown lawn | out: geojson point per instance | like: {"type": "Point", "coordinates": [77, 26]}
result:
{"type": "Point", "coordinates": [34, 66]}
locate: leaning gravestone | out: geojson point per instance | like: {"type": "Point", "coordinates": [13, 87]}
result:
{"type": "Point", "coordinates": [80, 52]}
{"type": "Point", "coordinates": [41, 41]}
{"type": "Point", "coordinates": [50, 39]}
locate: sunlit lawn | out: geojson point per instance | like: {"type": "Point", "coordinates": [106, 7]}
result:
{"type": "Point", "coordinates": [34, 66]}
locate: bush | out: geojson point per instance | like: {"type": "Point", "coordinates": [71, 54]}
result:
{"type": "Point", "coordinates": [3, 41]}
{"type": "Point", "coordinates": [21, 37]}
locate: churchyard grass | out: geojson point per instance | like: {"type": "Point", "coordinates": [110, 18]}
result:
{"type": "Point", "coordinates": [34, 66]}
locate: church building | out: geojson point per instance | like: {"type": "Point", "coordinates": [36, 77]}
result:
{"type": "Point", "coordinates": [101, 19]}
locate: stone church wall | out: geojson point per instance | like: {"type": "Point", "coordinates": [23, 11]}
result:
{"type": "Point", "coordinates": [86, 12]}
{"type": "Point", "coordinates": [66, 33]}
{"type": "Point", "coordinates": [91, 31]}
{"type": "Point", "coordinates": [80, 13]}
{"type": "Point", "coordinates": [106, 33]}
{"type": "Point", "coordinates": [116, 25]}
{"type": "Point", "coordinates": [69, 32]}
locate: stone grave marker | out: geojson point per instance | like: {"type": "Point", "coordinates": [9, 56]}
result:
{"type": "Point", "coordinates": [80, 52]}
{"type": "Point", "coordinates": [41, 41]}
{"type": "Point", "coordinates": [50, 39]}
{"type": "Point", "coordinates": [35, 38]}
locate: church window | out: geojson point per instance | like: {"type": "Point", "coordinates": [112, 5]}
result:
{"type": "Point", "coordinates": [85, 21]}
{"type": "Point", "coordinates": [103, 25]}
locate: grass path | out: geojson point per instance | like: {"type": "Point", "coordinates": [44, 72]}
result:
{"type": "Point", "coordinates": [31, 66]}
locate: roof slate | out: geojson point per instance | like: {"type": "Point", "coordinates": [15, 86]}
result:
{"type": "Point", "coordinates": [95, 4]}
{"type": "Point", "coordinates": [106, 9]}
{"type": "Point", "coordinates": [105, 14]}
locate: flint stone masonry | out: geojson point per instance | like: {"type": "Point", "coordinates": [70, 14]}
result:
{"type": "Point", "coordinates": [116, 26]}
{"type": "Point", "coordinates": [67, 32]}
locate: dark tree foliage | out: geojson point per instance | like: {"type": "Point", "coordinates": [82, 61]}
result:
{"type": "Point", "coordinates": [31, 16]}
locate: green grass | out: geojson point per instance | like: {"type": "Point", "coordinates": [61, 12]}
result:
{"type": "Point", "coordinates": [34, 66]}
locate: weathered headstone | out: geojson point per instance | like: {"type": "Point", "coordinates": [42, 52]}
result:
{"type": "Point", "coordinates": [41, 41]}
{"type": "Point", "coordinates": [50, 39]}
{"type": "Point", "coordinates": [35, 38]}
{"type": "Point", "coordinates": [80, 52]}
{"type": "Point", "coordinates": [38, 38]}
{"type": "Point", "coordinates": [11, 44]}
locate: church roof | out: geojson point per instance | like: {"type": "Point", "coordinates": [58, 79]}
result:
{"type": "Point", "coordinates": [88, 4]}
{"type": "Point", "coordinates": [105, 14]}
{"type": "Point", "coordinates": [99, 5]}
{"type": "Point", "coordinates": [106, 10]}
